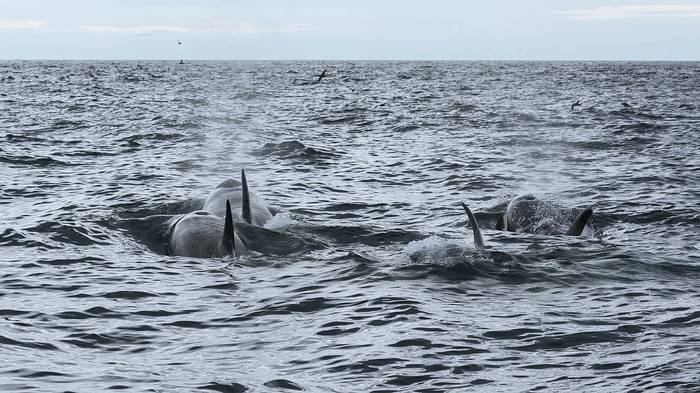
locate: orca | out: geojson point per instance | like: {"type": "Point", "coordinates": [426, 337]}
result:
{"type": "Point", "coordinates": [526, 213]}
{"type": "Point", "coordinates": [246, 205]}
{"type": "Point", "coordinates": [202, 234]}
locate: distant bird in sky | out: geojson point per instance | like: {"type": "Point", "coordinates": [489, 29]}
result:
{"type": "Point", "coordinates": [179, 43]}
{"type": "Point", "coordinates": [575, 104]}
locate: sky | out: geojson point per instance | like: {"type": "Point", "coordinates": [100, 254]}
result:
{"type": "Point", "coordinates": [350, 29]}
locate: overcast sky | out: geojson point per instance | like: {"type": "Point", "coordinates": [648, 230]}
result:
{"type": "Point", "coordinates": [350, 29]}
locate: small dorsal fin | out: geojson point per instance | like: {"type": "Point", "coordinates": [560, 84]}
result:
{"type": "Point", "coordinates": [478, 240]}
{"type": "Point", "coordinates": [228, 241]}
{"type": "Point", "coordinates": [580, 222]}
{"type": "Point", "coordinates": [245, 198]}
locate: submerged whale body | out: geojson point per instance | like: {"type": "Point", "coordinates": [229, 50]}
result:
{"type": "Point", "coordinates": [528, 214]}
{"type": "Point", "coordinates": [202, 234]}
{"type": "Point", "coordinates": [246, 206]}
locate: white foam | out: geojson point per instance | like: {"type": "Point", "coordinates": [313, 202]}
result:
{"type": "Point", "coordinates": [432, 243]}
{"type": "Point", "coordinates": [280, 221]}
{"type": "Point", "coordinates": [436, 250]}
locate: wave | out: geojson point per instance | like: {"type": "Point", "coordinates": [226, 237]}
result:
{"type": "Point", "coordinates": [13, 237]}
{"type": "Point", "coordinates": [71, 233]}
{"type": "Point", "coordinates": [295, 150]}
{"type": "Point", "coordinates": [34, 161]}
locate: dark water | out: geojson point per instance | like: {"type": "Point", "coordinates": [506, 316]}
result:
{"type": "Point", "coordinates": [382, 290]}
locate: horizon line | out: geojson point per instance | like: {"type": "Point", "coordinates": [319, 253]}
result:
{"type": "Point", "coordinates": [361, 60]}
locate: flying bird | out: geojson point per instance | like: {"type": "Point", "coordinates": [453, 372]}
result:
{"type": "Point", "coordinates": [323, 74]}
{"type": "Point", "coordinates": [179, 43]}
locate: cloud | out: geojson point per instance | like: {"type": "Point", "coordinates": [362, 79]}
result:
{"type": "Point", "coordinates": [634, 11]}
{"type": "Point", "coordinates": [133, 30]}
{"type": "Point", "coordinates": [261, 29]}
{"type": "Point", "coordinates": [16, 24]}
{"type": "Point", "coordinates": [220, 28]}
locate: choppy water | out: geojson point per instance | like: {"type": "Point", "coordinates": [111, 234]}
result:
{"type": "Point", "coordinates": [383, 291]}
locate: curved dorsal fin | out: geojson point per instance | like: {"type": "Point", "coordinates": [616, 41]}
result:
{"type": "Point", "coordinates": [478, 240]}
{"type": "Point", "coordinates": [245, 198]}
{"type": "Point", "coordinates": [580, 222]}
{"type": "Point", "coordinates": [228, 241]}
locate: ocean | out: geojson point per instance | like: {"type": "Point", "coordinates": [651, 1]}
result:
{"type": "Point", "coordinates": [374, 284]}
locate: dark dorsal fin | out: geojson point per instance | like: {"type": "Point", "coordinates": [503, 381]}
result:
{"type": "Point", "coordinates": [245, 198]}
{"type": "Point", "coordinates": [478, 240]}
{"type": "Point", "coordinates": [229, 239]}
{"type": "Point", "coordinates": [580, 223]}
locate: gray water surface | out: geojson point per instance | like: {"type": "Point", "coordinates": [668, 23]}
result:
{"type": "Point", "coordinates": [382, 290]}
